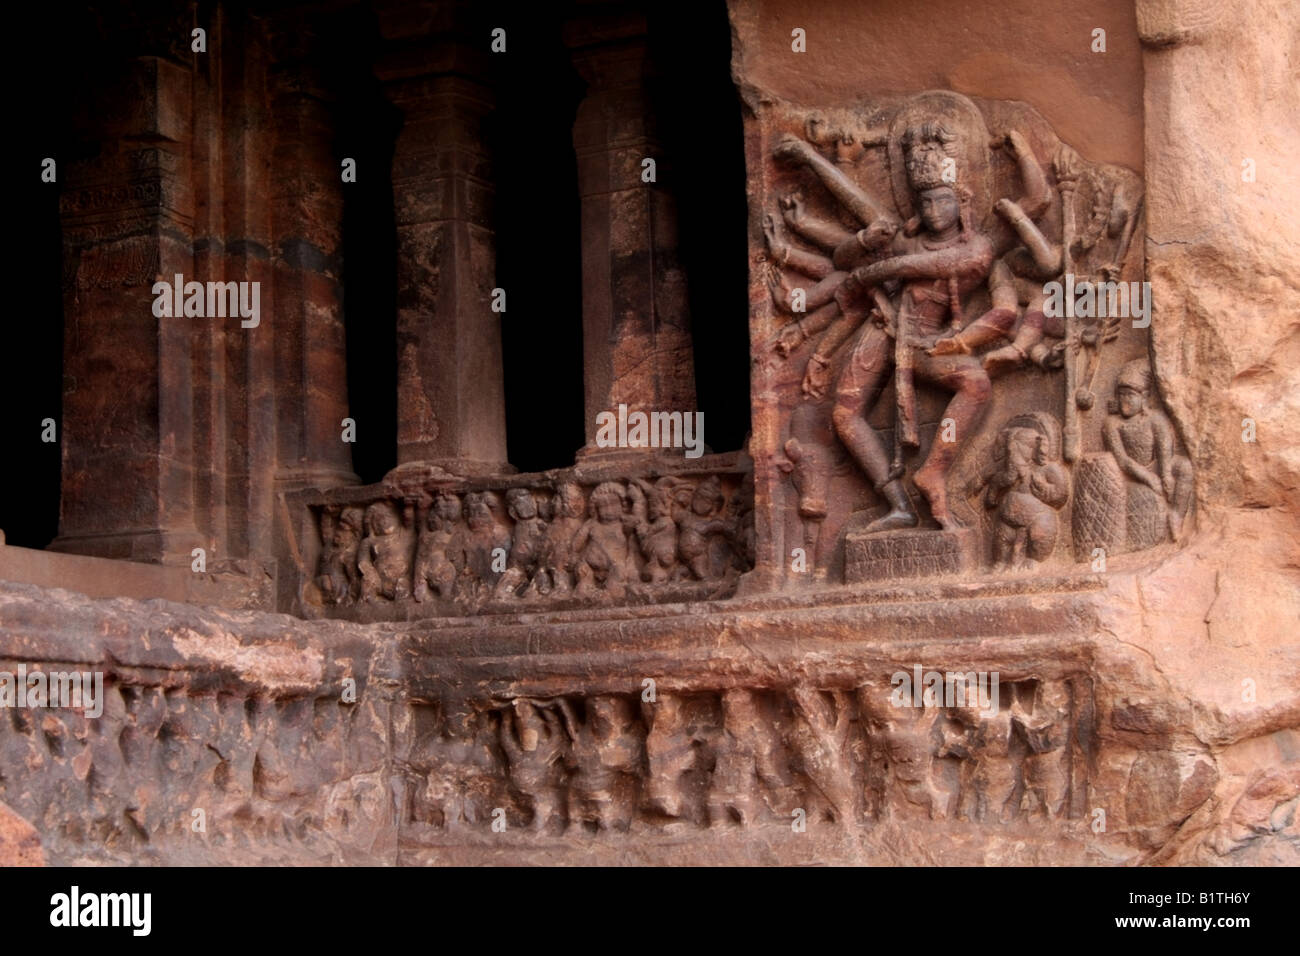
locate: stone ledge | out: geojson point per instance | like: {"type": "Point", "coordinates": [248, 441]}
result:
{"type": "Point", "coordinates": [98, 577]}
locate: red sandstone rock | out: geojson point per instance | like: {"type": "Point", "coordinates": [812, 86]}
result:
{"type": "Point", "coordinates": [20, 844]}
{"type": "Point", "coordinates": [653, 659]}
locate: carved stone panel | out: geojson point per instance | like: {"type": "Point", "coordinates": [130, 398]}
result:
{"type": "Point", "coordinates": [742, 756]}
{"type": "Point", "coordinates": [568, 538]}
{"type": "Point", "coordinates": [951, 346]}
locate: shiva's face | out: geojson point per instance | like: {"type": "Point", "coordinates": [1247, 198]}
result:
{"type": "Point", "coordinates": [940, 209]}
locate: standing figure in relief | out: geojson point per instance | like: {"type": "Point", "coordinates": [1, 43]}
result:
{"type": "Point", "coordinates": [744, 760]}
{"type": "Point", "coordinates": [486, 544]}
{"type": "Point", "coordinates": [904, 740]}
{"type": "Point", "coordinates": [606, 759]}
{"type": "Point", "coordinates": [1027, 487]}
{"type": "Point", "coordinates": [939, 259]}
{"type": "Point", "coordinates": [987, 777]}
{"type": "Point", "coordinates": [341, 532]}
{"type": "Point", "coordinates": [809, 460]}
{"type": "Point", "coordinates": [535, 743]}
{"type": "Point", "coordinates": [461, 770]}
{"type": "Point", "coordinates": [699, 524]}
{"type": "Point", "coordinates": [670, 753]}
{"type": "Point", "coordinates": [555, 575]}
{"type": "Point", "coordinates": [654, 527]}
{"type": "Point", "coordinates": [1046, 729]}
{"type": "Point", "coordinates": [440, 555]}
{"type": "Point", "coordinates": [527, 543]}
{"type": "Point", "coordinates": [605, 560]}
{"type": "Point", "coordinates": [1141, 440]}
{"type": "Point", "coordinates": [384, 558]}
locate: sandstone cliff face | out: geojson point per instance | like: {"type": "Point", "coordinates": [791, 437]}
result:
{"type": "Point", "coordinates": [1222, 256]}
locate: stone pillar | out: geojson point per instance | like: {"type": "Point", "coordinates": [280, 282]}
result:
{"type": "Point", "coordinates": [451, 394]}
{"type": "Point", "coordinates": [635, 319]}
{"type": "Point", "coordinates": [127, 214]}
{"type": "Point", "coordinates": [311, 395]}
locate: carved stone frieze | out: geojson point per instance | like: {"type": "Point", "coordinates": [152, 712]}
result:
{"type": "Point", "coordinates": [745, 756]}
{"type": "Point", "coordinates": [557, 539]}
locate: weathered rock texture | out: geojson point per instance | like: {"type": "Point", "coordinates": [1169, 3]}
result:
{"type": "Point", "coordinates": [763, 707]}
{"type": "Point", "coordinates": [645, 659]}
{"type": "Point", "coordinates": [20, 844]}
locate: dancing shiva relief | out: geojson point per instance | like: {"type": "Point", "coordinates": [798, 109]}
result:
{"type": "Point", "coordinates": [951, 291]}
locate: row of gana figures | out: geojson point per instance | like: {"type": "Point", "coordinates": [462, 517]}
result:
{"type": "Point", "coordinates": [742, 757]}
{"type": "Point", "coordinates": [547, 544]}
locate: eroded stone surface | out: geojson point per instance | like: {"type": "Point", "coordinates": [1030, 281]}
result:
{"type": "Point", "coordinates": [645, 660]}
{"type": "Point", "coordinates": [20, 844]}
{"type": "Point", "coordinates": [763, 713]}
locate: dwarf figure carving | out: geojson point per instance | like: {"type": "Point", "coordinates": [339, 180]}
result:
{"type": "Point", "coordinates": [1141, 440]}
{"type": "Point", "coordinates": [605, 560]}
{"type": "Point", "coordinates": [460, 770]}
{"type": "Point", "coordinates": [654, 527]}
{"type": "Point", "coordinates": [744, 758]}
{"type": "Point", "coordinates": [1046, 729]}
{"type": "Point", "coordinates": [987, 777]}
{"type": "Point", "coordinates": [697, 526]}
{"type": "Point", "coordinates": [555, 576]}
{"type": "Point", "coordinates": [526, 546]}
{"type": "Point", "coordinates": [341, 531]}
{"type": "Point", "coordinates": [440, 556]}
{"type": "Point", "coordinates": [1027, 487]}
{"type": "Point", "coordinates": [903, 740]}
{"type": "Point", "coordinates": [606, 758]}
{"type": "Point", "coordinates": [486, 545]}
{"type": "Point", "coordinates": [384, 559]}
{"type": "Point", "coordinates": [535, 743]}
{"type": "Point", "coordinates": [820, 739]}
{"type": "Point", "coordinates": [670, 753]}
